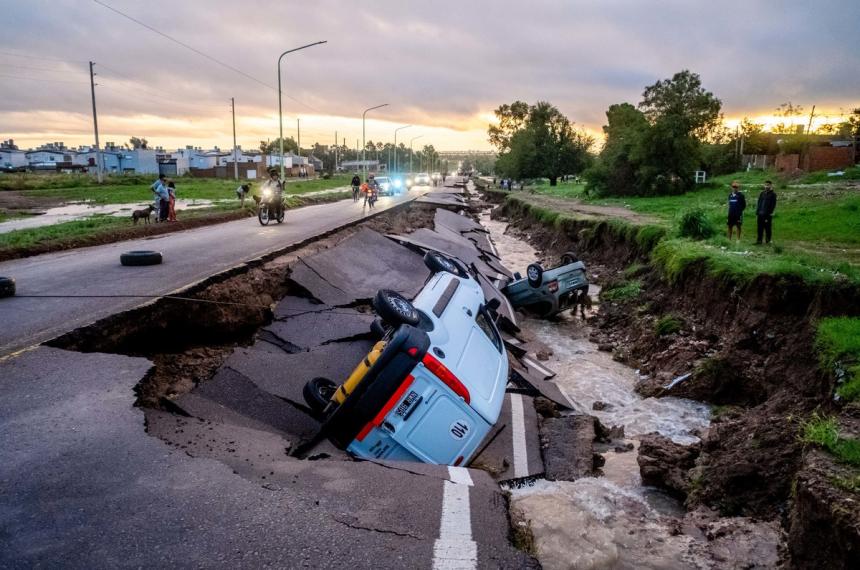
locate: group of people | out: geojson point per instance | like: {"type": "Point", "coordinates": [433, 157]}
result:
{"type": "Point", "coordinates": [369, 188]}
{"type": "Point", "coordinates": [165, 199]}
{"type": "Point", "coordinates": [764, 212]}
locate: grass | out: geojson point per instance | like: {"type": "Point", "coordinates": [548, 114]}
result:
{"type": "Point", "coordinates": [668, 324]}
{"type": "Point", "coordinates": [105, 224]}
{"type": "Point", "coordinates": [622, 292]}
{"type": "Point", "coordinates": [135, 188]}
{"type": "Point", "coordinates": [837, 341]}
{"type": "Point", "coordinates": [824, 432]}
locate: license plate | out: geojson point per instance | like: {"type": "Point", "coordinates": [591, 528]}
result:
{"type": "Point", "coordinates": [406, 404]}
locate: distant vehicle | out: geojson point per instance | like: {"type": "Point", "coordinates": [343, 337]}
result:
{"type": "Point", "coordinates": [548, 292]}
{"type": "Point", "coordinates": [385, 185]}
{"type": "Point", "coordinates": [433, 387]}
{"type": "Point", "coordinates": [422, 179]}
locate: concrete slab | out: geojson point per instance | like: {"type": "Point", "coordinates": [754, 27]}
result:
{"type": "Point", "coordinates": [291, 306]}
{"type": "Point", "coordinates": [568, 444]}
{"type": "Point", "coordinates": [358, 267]}
{"type": "Point", "coordinates": [448, 243]}
{"type": "Point", "coordinates": [456, 222]}
{"type": "Point", "coordinates": [309, 330]}
{"type": "Point", "coordinates": [532, 379]}
{"type": "Point", "coordinates": [442, 199]}
{"type": "Point", "coordinates": [285, 375]}
{"type": "Point", "coordinates": [515, 452]}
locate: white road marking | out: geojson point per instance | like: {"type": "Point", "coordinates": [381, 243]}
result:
{"type": "Point", "coordinates": [455, 549]}
{"type": "Point", "coordinates": [532, 364]}
{"type": "Point", "coordinates": [518, 431]}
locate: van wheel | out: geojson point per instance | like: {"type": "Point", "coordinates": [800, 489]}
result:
{"type": "Point", "coordinates": [534, 272]}
{"type": "Point", "coordinates": [317, 394]}
{"type": "Point", "coordinates": [569, 257]}
{"type": "Point", "coordinates": [394, 308]}
{"type": "Point", "coordinates": [436, 262]}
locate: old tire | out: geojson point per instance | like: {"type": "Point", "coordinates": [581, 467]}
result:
{"type": "Point", "coordinates": [568, 257]}
{"type": "Point", "coordinates": [534, 273]}
{"type": "Point", "coordinates": [436, 262]}
{"type": "Point", "coordinates": [138, 258]}
{"type": "Point", "coordinates": [7, 287]}
{"type": "Point", "coordinates": [317, 394]}
{"type": "Point", "coordinates": [395, 309]}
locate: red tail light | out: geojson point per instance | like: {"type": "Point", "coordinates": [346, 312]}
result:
{"type": "Point", "coordinates": [553, 286]}
{"type": "Point", "coordinates": [446, 376]}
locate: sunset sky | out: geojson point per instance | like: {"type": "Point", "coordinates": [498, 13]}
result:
{"type": "Point", "coordinates": [442, 66]}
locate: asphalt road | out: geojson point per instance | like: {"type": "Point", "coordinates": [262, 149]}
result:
{"type": "Point", "coordinates": [189, 257]}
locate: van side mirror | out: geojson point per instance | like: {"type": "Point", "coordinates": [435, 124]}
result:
{"type": "Point", "coordinates": [493, 305]}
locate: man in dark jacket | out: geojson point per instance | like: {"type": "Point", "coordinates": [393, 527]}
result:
{"type": "Point", "coordinates": [737, 205]}
{"type": "Point", "coordinates": [764, 212]}
{"type": "Point", "coordinates": [356, 183]}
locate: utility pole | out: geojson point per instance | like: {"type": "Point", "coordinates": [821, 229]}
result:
{"type": "Point", "coordinates": [235, 148]}
{"type": "Point", "coordinates": [335, 152]}
{"type": "Point", "coordinates": [96, 125]}
{"type": "Point", "coordinates": [299, 135]}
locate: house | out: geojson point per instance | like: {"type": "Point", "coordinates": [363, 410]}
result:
{"type": "Point", "coordinates": [118, 160]}
{"type": "Point", "coordinates": [356, 165]}
{"type": "Point", "coordinates": [51, 156]}
{"type": "Point", "coordinates": [11, 157]}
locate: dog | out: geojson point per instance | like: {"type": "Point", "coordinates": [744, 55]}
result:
{"type": "Point", "coordinates": [142, 214]}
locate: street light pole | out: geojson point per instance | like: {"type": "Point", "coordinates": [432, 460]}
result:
{"type": "Point", "coordinates": [280, 107]}
{"type": "Point", "coordinates": [410, 150]}
{"type": "Point", "coordinates": [363, 142]}
{"type": "Point", "coordinates": [235, 150]}
{"type": "Point", "coordinates": [395, 143]}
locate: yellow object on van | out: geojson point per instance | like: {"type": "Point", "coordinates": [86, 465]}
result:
{"type": "Point", "coordinates": [358, 373]}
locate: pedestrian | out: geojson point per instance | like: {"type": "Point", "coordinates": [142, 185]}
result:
{"type": "Point", "coordinates": [764, 212]}
{"type": "Point", "coordinates": [164, 203]}
{"type": "Point", "coordinates": [171, 201]}
{"type": "Point", "coordinates": [156, 190]}
{"type": "Point", "coordinates": [241, 192]}
{"type": "Point", "coordinates": [737, 205]}
{"type": "Point", "coordinates": [356, 184]}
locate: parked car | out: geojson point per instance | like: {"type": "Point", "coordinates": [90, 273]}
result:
{"type": "Point", "coordinates": [422, 179]}
{"type": "Point", "coordinates": [547, 292]}
{"type": "Point", "coordinates": [432, 388]}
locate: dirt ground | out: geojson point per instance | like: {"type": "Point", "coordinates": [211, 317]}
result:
{"type": "Point", "coordinates": [569, 206]}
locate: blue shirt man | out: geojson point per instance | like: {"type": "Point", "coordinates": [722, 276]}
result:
{"type": "Point", "coordinates": [737, 205]}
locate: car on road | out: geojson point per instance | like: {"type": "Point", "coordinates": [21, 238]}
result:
{"type": "Point", "coordinates": [422, 179]}
{"type": "Point", "coordinates": [385, 186]}
{"type": "Point", "coordinates": [547, 292]}
{"type": "Point", "coordinates": [432, 388]}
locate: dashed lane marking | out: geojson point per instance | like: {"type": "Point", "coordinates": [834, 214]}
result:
{"type": "Point", "coordinates": [518, 431]}
{"type": "Point", "coordinates": [455, 549]}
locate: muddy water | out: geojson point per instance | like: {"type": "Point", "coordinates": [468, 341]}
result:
{"type": "Point", "coordinates": [611, 521]}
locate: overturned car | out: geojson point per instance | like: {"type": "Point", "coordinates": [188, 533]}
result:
{"type": "Point", "coordinates": [547, 292]}
{"type": "Point", "coordinates": [432, 388]}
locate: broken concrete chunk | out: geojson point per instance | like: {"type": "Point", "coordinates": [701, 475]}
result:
{"type": "Point", "coordinates": [568, 447]}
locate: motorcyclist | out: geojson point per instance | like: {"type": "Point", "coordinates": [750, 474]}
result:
{"type": "Point", "coordinates": [369, 188]}
{"type": "Point", "coordinates": [276, 186]}
{"type": "Point", "coordinates": [356, 184]}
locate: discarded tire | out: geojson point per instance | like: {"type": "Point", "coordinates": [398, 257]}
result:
{"type": "Point", "coordinates": [568, 257]}
{"type": "Point", "coordinates": [395, 309]}
{"type": "Point", "coordinates": [534, 273]}
{"type": "Point", "coordinates": [7, 287]}
{"type": "Point", "coordinates": [317, 393]}
{"type": "Point", "coordinates": [138, 258]}
{"type": "Point", "coordinates": [437, 262]}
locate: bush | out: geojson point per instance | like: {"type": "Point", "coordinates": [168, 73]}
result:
{"type": "Point", "coordinates": [622, 291]}
{"type": "Point", "coordinates": [695, 224]}
{"type": "Point", "coordinates": [837, 341]}
{"type": "Point", "coordinates": [668, 324]}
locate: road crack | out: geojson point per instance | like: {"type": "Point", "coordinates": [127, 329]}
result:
{"type": "Point", "coordinates": [379, 530]}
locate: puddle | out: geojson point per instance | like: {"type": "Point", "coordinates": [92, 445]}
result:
{"type": "Point", "coordinates": [81, 210]}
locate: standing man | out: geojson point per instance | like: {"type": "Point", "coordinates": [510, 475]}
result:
{"type": "Point", "coordinates": [764, 212]}
{"type": "Point", "coordinates": [737, 205]}
{"type": "Point", "coordinates": [157, 189]}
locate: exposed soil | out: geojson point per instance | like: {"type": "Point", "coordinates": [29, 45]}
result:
{"type": "Point", "coordinates": [587, 211]}
{"type": "Point", "coordinates": [137, 231]}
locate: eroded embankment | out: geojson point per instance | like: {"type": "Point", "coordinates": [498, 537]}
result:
{"type": "Point", "coordinates": [747, 346]}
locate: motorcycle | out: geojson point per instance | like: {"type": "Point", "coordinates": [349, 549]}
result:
{"type": "Point", "coordinates": [269, 209]}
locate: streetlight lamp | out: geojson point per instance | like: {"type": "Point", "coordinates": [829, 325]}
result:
{"type": "Point", "coordinates": [280, 109]}
{"type": "Point", "coordinates": [363, 143]}
{"type": "Point", "coordinates": [410, 150]}
{"type": "Point", "coordinates": [395, 143]}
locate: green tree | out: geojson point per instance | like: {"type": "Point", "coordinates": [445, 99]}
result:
{"type": "Point", "coordinates": [136, 143]}
{"type": "Point", "coordinates": [617, 166]}
{"type": "Point", "coordinates": [542, 145]}
{"type": "Point", "coordinates": [274, 147]}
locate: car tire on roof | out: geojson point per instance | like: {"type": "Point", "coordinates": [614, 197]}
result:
{"type": "Point", "coordinates": [436, 262]}
{"type": "Point", "coordinates": [138, 258]}
{"type": "Point", "coordinates": [568, 257]}
{"type": "Point", "coordinates": [395, 309]}
{"type": "Point", "coordinates": [534, 273]}
{"type": "Point", "coordinates": [317, 394]}
{"type": "Point", "coordinates": [7, 287]}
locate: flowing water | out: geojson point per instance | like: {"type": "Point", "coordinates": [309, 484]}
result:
{"type": "Point", "coordinates": [610, 521]}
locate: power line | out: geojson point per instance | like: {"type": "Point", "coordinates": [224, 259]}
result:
{"type": "Point", "coordinates": [43, 79]}
{"type": "Point", "coordinates": [41, 57]}
{"type": "Point", "coordinates": [203, 54]}
{"type": "Point", "coordinates": [55, 70]}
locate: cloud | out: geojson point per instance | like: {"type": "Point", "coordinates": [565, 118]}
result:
{"type": "Point", "coordinates": [442, 65]}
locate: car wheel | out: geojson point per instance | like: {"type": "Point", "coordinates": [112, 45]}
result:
{"type": "Point", "coordinates": [568, 257]}
{"type": "Point", "coordinates": [394, 308]}
{"type": "Point", "coordinates": [436, 262]}
{"type": "Point", "coordinates": [317, 393]}
{"type": "Point", "coordinates": [534, 273]}
{"type": "Point", "coordinates": [7, 287]}
{"type": "Point", "coordinates": [139, 258]}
